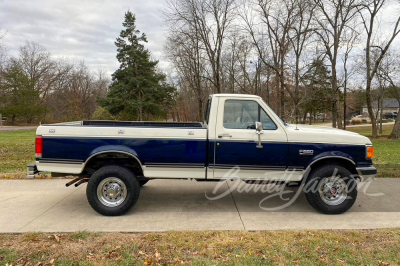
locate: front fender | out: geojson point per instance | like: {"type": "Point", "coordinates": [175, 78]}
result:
{"type": "Point", "coordinates": [331, 154]}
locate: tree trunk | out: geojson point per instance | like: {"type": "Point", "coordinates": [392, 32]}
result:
{"type": "Point", "coordinates": [369, 105]}
{"type": "Point", "coordinates": [396, 129]}
{"type": "Point", "coordinates": [201, 111]}
{"type": "Point", "coordinates": [296, 90]}
{"type": "Point", "coordinates": [345, 96]}
{"type": "Point", "coordinates": [140, 108]}
{"type": "Point", "coordinates": [334, 114]}
{"type": "Point", "coordinates": [339, 117]}
{"type": "Point", "coordinates": [334, 94]}
{"type": "Point", "coordinates": [305, 117]}
{"type": "Point", "coordinates": [381, 117]}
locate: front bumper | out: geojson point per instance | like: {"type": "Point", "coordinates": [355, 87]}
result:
{"type": "Point", "coordinates": [32, 170]}
{"type": "Point", "coordinates": [367, 172]}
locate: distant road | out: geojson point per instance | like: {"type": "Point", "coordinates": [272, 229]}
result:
{"type": "Point", "coordinates": [369, 125]}
{"type": "Point", "coordinates": [359, 125]}
{"type": "Point", "coordinates": [11, 128]}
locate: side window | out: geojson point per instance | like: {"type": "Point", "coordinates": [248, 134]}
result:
{"type": "Point", "coordinates": [240, 114]}
{"type": "Point", "coordinates": [268, 124]}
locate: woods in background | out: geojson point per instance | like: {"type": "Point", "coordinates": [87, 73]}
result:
{"type": "Point", "coordinates": [305, 58]}
{"type": "Point", "coordinates": [37, 87]}
{"type": "Point", "coordinates": [308, 59]}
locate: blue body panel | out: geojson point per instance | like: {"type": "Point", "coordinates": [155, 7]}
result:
{"type": "Point", "coordinates": [355, 153]}
{"type": "Point", "coordinates": [201, 152]}
{"type": "Point", "coordinates": [149, 151]}
{"type": "Point", "coordinates": [273, 154]}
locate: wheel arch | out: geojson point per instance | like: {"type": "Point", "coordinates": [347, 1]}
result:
{"type": "Point", "coordinates": [343, 161]}
{"type": "Point", "coordinates": [112, 155]}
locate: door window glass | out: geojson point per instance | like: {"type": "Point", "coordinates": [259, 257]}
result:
{"type": "Point", "coordinates": [268, 124]}
{"type": "Point", "coordinates": [240, 114]}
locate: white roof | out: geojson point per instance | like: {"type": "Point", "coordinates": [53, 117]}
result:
{"type": "Point", "coordinates": [235, 95]}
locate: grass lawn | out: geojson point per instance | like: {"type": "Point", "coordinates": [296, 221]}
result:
{"type": "Point", "coordinates": [17, 150]}
{"type": "Point", "coordinates": [387, 157]}
{"type": "Point", "coordinates": [367, 130]}
{"type": "Point", "coordinates": [387, 152]}
{"type": "Point", "coordinates": [327, 247]}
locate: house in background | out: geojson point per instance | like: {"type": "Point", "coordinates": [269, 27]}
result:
{"type": "Point", "coordinates": [389, 106]}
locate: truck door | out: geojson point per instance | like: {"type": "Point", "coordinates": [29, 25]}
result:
{"type": "Point", "coordinates": [236, 141]}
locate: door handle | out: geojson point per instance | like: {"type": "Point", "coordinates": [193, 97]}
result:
{"type": "Point", "coordinates": [225, 135]}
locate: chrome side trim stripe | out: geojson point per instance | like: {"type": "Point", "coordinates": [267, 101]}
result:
{"type": "Point", "coordinates": [61, 161]}
{"type": "Point", "coordinates": [249, 167]}
{"type": "Point", "coordinates": [174, 165]}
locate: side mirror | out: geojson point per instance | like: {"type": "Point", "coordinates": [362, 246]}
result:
{"type": "Point", "coordinates": [259, 131]}
{"type": "Point", "coordinates": [259, 128]}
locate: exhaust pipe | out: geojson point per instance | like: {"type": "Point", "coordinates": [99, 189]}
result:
{"type": "Point", "coordinates": [84, 180]}
{"type": "Point", "coordinates": [74, 181]}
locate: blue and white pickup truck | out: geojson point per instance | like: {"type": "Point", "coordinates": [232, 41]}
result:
{"type": "Point", "coordinates": [117, 158]}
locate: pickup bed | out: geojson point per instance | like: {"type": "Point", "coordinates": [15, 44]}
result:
{"type": "Point", "coordinates": [239, 131]}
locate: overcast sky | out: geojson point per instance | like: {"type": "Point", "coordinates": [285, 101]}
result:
{"type": "Point", "coordinates": [86, 29]}
{"type": "Point", "coordinates": [80, 30]}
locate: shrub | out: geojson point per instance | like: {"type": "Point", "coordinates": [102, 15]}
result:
{"type": "Point", "coordinates": [356, 121]}
{"type": "Point", "coordinates": [102, 114]}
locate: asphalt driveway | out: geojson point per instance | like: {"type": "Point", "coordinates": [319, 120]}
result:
{"type": "Point", "coordinates": [48, 206]}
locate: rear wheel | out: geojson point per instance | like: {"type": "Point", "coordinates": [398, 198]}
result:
{"type": "Point", "coordinates": [331, 189]}
{"type": "Point", "coordinates": [112, 190]}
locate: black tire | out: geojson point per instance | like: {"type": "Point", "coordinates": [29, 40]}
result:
{"type": "Point", "coordinates": [109, 174]}
{"type": "Point", "coordinates": [143, 182]}
{"type": "Point", "coordinates": [323, 174]}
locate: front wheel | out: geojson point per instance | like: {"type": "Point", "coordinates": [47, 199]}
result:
{"type": "Point", "coordinates": [112, 190]}
{"type": "Point", "coordinates": [331, 189]}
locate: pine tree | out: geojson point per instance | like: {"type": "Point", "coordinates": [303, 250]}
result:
{"type": "Point", "coordinates": [138, 90]}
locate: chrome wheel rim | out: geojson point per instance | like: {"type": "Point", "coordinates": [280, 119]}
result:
{"type": "Point", "coordinates": [111, 192]}
{"type": "Point", "coordinates": [333, 190]}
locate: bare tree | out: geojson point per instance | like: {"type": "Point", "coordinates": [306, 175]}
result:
{"type": "Point", "coordinates": [351, 38]}
{"type": "Point", "coordinates": [243, 66]}
{"type": "Point", "coordinates": [209, 20]}
{"type": "Point", "coordinates": [270, 35]}
{"type": "Point", "coordinates": [184, 51]}
{"type": "Point", "coordinates": [395, 91]}
{"type": "Point", "coordinates": [3, 49]}
{"type": "Point", "coordinates": [299, 36]}
{"type": "Point", "coordinates": [38, 65]}
{"type": "Point", "coordinates": [332, 18]}
{"type": "Point", "coordinates": [389, 72]}
{"type": "Point", "coordinates": [374, 44]}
